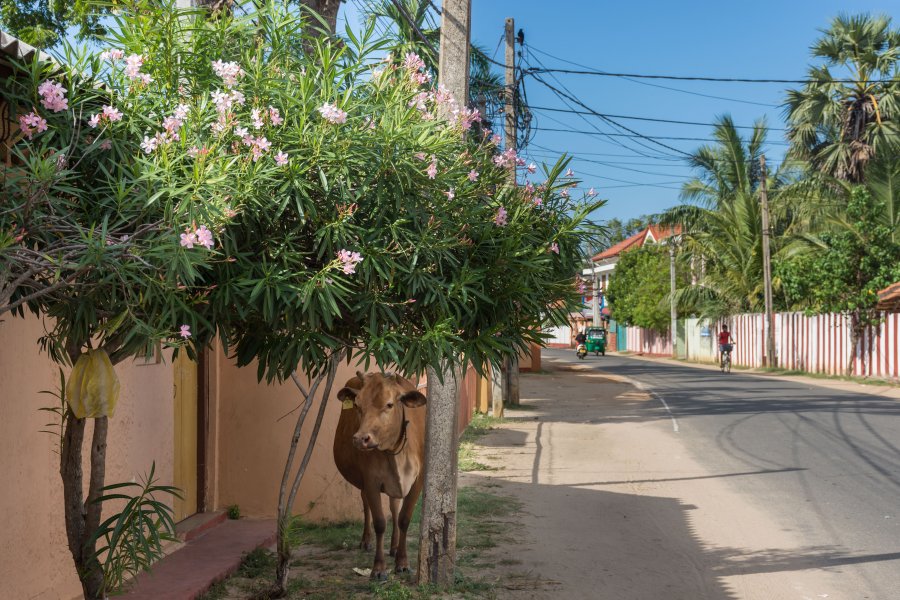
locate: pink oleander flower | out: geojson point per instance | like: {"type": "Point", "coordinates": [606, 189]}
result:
{"type": "Point", "coordinates": [32, 123]}
{"type": "Point", "coordinates": [181, 112]}
{"type": "Point", "coordinates": [420, 155]}
{"type": "Point", "coordinates": [204, 237]}
{"type": "Point", "coordinates": [241, 132]}
{"type": "Point", "coordinates": [53, 96]}
{"type": "Point", "coordinates": [106, 145]}
{"type": "Point", "coordinates": [431, 171]}
{"type": "Point", "coordinates": [256, 117]}
{"type": "Point", "coordinates": [112, 55]}
{"type": "Point", "coordinates": [349, 261]}
{"type": "Point", "coordinates": [520, 162]}
{"type": "Point", "coordinates": [451, 193]}
{"type": "Point", "coordinates": [495, 139]}
{"type": "Point", "coordinates": [443, 96]}
{"type": "Point", "coordinates": [149, 144]}
{"type": "Point", "coordinates": [591, 193]}
{"type": "Point", "coordinates": [501, 219]}
{"type": "Point", "coordinates": [564, 193]}
{"type": "Point", "coordinates": [188, 239]}
{"type": "Point", "coordinates": [529, 188]}
{"type": "Point", "coordinates": [332, 114]}
{"type": "Point", "coordinates": [94, 121]}
{"type": "Point", "coordinates": [538, 201]}
{"type": "Point", "coordinates": [554, 247]}
{"type": "Point", "coordinates": [570, 173]}
{"type": "Point", "coordinates": [420, 78]}
{"type": "Point", "coordinates": [133, 64]}
{"type": "Point", "coordinates": [228, 71]}
{"type": "Point", "coordinates": [413, 62]}
{"type": "Point", "coordinates": [193, 151]}
{"type": "Point", "coordinates": [112, 113]}
{"type": "Point", "coordinates": [419, 101]}
{"type": "Point", "coordinates": [532, 168]}
{"type": "Point", "coordinates": [275, 116]}
{"type": "Point", "coordinates": [473, 175]}
{"type": "Point", "coordinates": [185, 331]}
{"type": "Point", "coordinates": [281, 159]}
{"type": "Point", "coordinates": [172, 125]}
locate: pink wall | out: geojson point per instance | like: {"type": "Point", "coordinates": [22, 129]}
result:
{"type": "Point", "coordinates": [34, 558]}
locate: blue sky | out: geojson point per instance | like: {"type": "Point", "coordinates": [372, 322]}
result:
{"type": "Point", "coordinates": [762, 39]}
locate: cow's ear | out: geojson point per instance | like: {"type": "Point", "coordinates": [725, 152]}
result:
{"type": "Point", "coordinates": [413, 399]}
{"type": "Point", "coordinates": [347, 394]}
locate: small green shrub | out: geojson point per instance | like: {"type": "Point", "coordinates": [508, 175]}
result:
{"type": "Point", "coordinates": [233, 512]}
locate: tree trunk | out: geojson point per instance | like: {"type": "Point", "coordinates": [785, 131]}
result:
{"type": "Point", "coordinates": [288, 494]}
{"type": "Point", "coordinates": [855, 335]}
{"type": "Point", "coordinates": [512, 381]}
{"type": "Point", "coordinates": [328, 10]}
{"type": "Point", "coordinates": [82, 516]}
{"type": "Point", "coordinates": [437, 537]}
{"type": "Point", "coordinates": [497, 390]}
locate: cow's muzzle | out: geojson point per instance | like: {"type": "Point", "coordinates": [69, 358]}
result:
{"type": "Point", "coordinates": [364, 441]}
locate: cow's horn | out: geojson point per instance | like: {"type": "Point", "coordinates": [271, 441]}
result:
{"type": "Point", "coordinates": [361, 375]}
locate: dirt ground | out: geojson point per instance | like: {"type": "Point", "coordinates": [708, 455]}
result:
{"type": "Point", "coordinates": [613, 508]}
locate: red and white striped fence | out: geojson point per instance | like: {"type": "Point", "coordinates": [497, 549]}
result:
{"type": "Point", "coordinates": [815, 344]}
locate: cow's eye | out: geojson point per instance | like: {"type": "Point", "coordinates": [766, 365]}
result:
{"type": "Point", "coordinates": [389, 405]}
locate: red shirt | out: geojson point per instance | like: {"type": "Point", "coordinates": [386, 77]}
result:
{"type": "Point", "coordinates": [724, 337]}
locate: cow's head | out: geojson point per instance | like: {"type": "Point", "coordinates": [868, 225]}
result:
{"type": "Point", "coordinates": [381, 401]}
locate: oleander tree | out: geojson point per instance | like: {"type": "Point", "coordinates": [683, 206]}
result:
{"type": "Point", "coordinates": [243, 179]}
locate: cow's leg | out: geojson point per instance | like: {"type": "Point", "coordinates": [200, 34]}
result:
{"type": "Point", "coordinates": [366, 542]}
{"type": "Point", "coordinates": [373, 498]}
{"type": "Point", "coordinates": [395, 533]}
{"type": "Point", "coordinates": [401, 560]}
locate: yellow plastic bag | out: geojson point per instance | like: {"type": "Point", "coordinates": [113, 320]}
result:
{"type": "Point", "coordinates": [93, 388]}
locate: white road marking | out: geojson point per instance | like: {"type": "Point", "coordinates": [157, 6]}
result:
{"type": "Point", "coordinates": [644, 387]}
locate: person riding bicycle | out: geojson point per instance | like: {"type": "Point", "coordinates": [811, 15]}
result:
{"type": "Point", "coordinates": [726, 342]}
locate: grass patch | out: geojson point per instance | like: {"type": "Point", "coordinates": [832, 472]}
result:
{"type": "Point", "coordinates": [331, 535]}
{"type": "Point", "coordinates": [257, 563]}
{"type": "Point", "coordinates": [216, 592]}
{"type": "Point", "coordinates": [480, 425]}
{"type": "Point", "coordinates": [323, 567]}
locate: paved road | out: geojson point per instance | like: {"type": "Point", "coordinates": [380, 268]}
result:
{"type": "Point", "coordinates": [824, 463]}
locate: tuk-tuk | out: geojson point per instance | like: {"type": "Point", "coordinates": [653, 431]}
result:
{"type": "Point", "coordinates": [596, 340]}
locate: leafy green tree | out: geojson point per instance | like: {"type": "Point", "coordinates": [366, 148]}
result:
{"type": "Point", "coordinates": [722, 225]}
{"type": "Point", "coordinates": [639, 289]}
{"type": "Point", "coordinates": [858, 258]}
{"type": "Point", "coordinates": [848, 112]}
{"type": "Point", "coordinates": [302, 208]}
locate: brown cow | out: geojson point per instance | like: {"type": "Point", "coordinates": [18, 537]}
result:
{"type": "Point", "coordinates": [379, 447]}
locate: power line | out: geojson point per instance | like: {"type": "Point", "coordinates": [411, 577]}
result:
{"type": "Point", "coordinates": [609, 120]}
{"type": "Point", "coordinates": [565, 99]}
{"type": "Point", "coordinates": [627, 135]}
{"type": "Point", "coordinates": [634, 118]}
{"type": "Point", "coordinates": [663, 87]}
{"type": "Point", "coordinates": [701, 78]}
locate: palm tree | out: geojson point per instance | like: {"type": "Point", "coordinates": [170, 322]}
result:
{"type": "Point", "coordinates": [722, 226]}
{"type": "Point", "coordinates": [840, 121]}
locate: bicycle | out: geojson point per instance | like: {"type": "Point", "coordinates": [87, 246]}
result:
{"type": "Point", "coordinates": [725, 361]}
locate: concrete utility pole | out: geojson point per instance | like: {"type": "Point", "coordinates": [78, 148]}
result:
{"type": "Point", "coordinates": [437, 536]}
{"type": "Point", "coordinates": [509, 109]}
{"type": "Point", "coordinates": [771, 359]}
{"type": "Point", "coordinates": [511, 366]}
{"type": "Point", "coordinates": [673, 309]}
